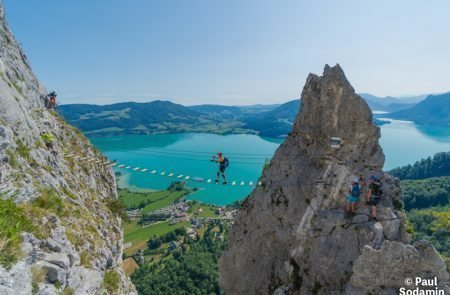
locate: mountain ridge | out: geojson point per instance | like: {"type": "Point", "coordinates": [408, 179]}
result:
{"type": "Point", "coordinates": [433, 110]}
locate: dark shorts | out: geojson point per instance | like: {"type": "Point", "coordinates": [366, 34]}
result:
{"type": "Point", "coordinates": [222, 169]}
{"type": "Point", "coordinates": [375, 200]}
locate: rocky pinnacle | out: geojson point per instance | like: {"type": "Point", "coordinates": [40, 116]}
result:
{"type": "Point", "coordinates": [291, 236]}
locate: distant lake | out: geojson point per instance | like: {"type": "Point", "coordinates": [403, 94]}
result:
{"type": "Point", "coordinates": [189, 154]}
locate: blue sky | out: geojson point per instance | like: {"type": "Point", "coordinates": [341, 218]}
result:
{"type": "Point", "coordinates": [230, 52]}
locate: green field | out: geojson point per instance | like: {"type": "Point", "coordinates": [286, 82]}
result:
{"type": "Point", "coordinates": [207, 210]}
{"type": "Point", "coordinates": [139, 236]}
{"type": "Point", "coordinates": [157, 199]}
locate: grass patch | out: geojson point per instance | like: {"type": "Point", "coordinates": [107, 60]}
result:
{"type": "Point", "coordinates": [111, 281]}
{"type": "Point", "coordinates": [150, 201]}
{"type": "Point", "coordinates": [50, 201]}
{"type": "Point", "coordinates": [22, 149]}
{"type": "Point", "coordinates": [12, 159]}
{"type": "Point", "coordinates": [129, 266]}
{"type": "Point", "coordinates": [38, 275]}
{"type": "Point", "coordinates": [117, 208]}
{"type": "Point", "coordinates": [85, 259]}
{"type": "Point", "coordinates": [206, 210]}
{"type": "Point", "coordinates": [18, 88]}
{"type": "Point", "coordinates": [139, 236]}
{"type": "Point", "coordinates": [13, 221]}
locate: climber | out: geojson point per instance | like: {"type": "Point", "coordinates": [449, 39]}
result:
{"type": "Point", "coordinates": [374, 195]}
{"type": "Point", "coordinates": [223, 164]}
{"type": "Point", "coordinates": [48, 139]}
{"type": "Point", "coordinates": [353, 197]}
{"type": "Point", "coordinates": [51, 100]}
{"type": "Point", "coordinates": [362, 184]}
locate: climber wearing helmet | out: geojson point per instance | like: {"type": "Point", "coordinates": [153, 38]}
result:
{"type": "Point", "coordinates": [223, 164]}
{"type": "Point", "coordinates": [353, 197]}
{"type": "Point", "coordinates": [52, 100]}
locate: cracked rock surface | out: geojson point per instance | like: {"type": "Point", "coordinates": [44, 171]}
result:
{"type": "Point", "coordinates": [75, 245]}
{"type": "Point", "coordinates": [291, 235]}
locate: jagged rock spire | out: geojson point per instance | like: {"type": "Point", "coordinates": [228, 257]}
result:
{"type": "Point", "coordinates": [290, 236]}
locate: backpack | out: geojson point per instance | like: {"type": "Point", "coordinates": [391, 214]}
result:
{"type": "Point", "coordinates": [355, 191]}
{"type": "Point", "coordinates": [377, 191]}
{"type": "Point", "coordinates": [226, 162]}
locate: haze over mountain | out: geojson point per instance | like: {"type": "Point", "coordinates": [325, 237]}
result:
{"type": "Point", "coordinates": [389, 103]}
{"type": "Point", "coordinates": [434, 110]}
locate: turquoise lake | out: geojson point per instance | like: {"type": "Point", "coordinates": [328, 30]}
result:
{"type": "Point", "coordinates": [189, 154]}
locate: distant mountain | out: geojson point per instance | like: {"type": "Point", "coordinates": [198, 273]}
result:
{"type": "Point", "coordinates": [167, 117]}
{"type": "Point", "coordinates": [434, 110]}
{"type": "Point", "coordinates": [389, 103]}
{"type": "Point", "coordinates": [233, 112]}
{"type": "Point", "coordinates": [275, 123]}
{"type": "Point", "coordinates": [152, 117]}
{"type": "Point", "coordinates": [220, 111]}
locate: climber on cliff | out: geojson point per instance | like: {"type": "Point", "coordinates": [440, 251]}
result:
{"type": "Point", "coordinates": [49, 140]}
{"type": "Point", "coordinates": [223, 164]}
{"type": "Point", "coordinates": [353, 197]}
{"type": "Point", "coordinates": [374, 195]}
{"type": "Point", "coordinates": [51, 100]}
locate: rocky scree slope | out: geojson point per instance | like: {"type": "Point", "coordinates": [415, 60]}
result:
{"type": "Point", "coordinates": [59, 227]}
{"type": "Point", "coordinates": [291, 236]}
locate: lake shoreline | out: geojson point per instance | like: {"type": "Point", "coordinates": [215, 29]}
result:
{"type": "Point", "coordinates": [189, 154]}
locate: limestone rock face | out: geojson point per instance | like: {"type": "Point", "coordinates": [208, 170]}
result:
{"type": "Point", "coordinates": [291, 235]}
{"type": "Point", "coordinates": [77, 239]}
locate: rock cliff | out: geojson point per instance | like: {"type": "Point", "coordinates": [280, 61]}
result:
{"type": "Point", "coordinates": [60, 232]}
{"type": "Point", "coordinates": [291, 235]}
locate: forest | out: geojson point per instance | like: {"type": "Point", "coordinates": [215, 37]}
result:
{"type": "Point", "coordinates": [188, 270]}
{"type": "Point", "coordinates": [438, 165]}
{"type": "Point", "coordinates": [426, 197]}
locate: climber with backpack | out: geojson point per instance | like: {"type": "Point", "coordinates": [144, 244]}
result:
{"type": "Point", "coordinates": [223, 164]}
{"type": "Point", "coordinates": [51, 100]}
{"type": "Point", "coordinates": [49, 140]}
{"type": "Point", "coordinates": [374, 195]}
{"type": "Point", "coordinates": [353, 197]}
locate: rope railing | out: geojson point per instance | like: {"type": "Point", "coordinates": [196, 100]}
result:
{"type": "Point", "coordinates": [184, 177]}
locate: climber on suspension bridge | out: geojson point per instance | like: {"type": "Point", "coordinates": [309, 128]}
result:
{"type": "Point", "coordinates": [223, 164]}
{"type": "Point", "coordinates": [50, 100]}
